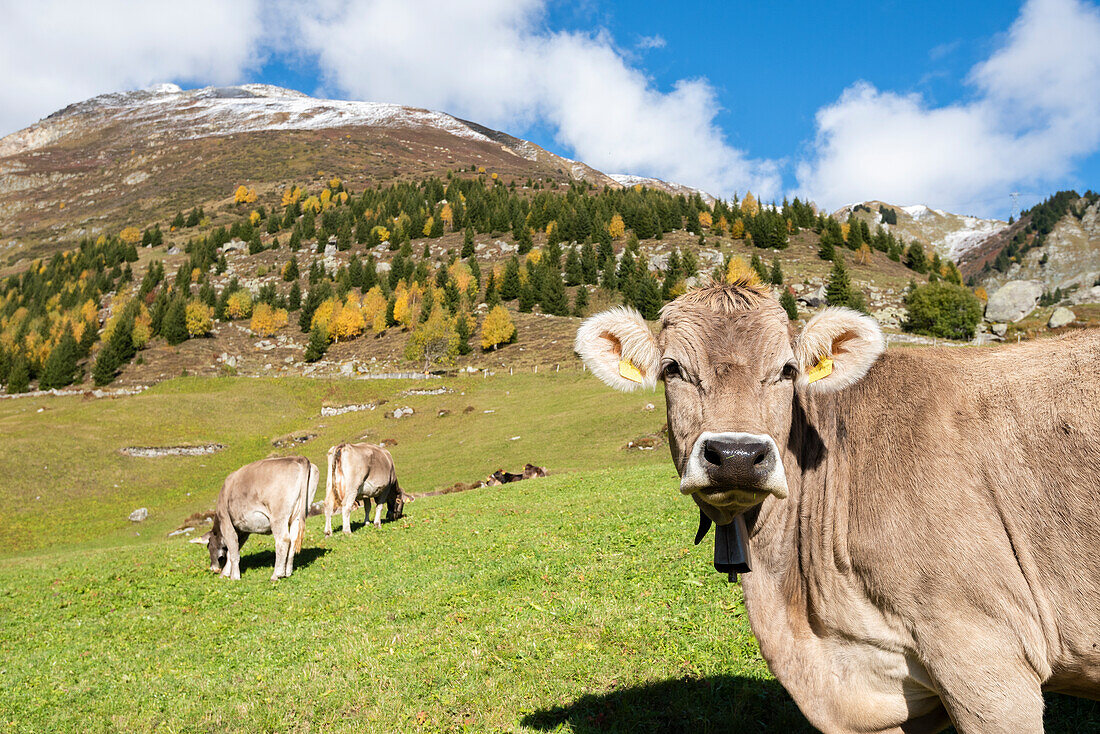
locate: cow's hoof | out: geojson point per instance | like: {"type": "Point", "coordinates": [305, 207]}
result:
{"type": "Point", "coordinates": [328, 534]}
{"type": "Point", "coordinates": [347, 532]}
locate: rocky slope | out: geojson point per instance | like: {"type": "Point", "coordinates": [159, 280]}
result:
{"type": "Point", "coordinates": [952, 235]}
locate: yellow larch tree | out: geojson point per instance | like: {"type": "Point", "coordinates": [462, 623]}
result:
{"type": "Point", "coordinates": [739, 271]}
{"type": "Point", "coordinates": [749, 205]}
{"type": "Point", "coordinates": [616, 228]}
{"type": "Point", "coordinates": [497, 328]}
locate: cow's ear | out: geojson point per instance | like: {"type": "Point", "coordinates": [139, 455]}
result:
{"type": "Point", "coordinates": [619, 348]}
{"type": "Point", "coordinates": [836, 349]}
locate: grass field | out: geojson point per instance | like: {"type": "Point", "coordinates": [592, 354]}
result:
{"type": "Point", "coordinates": [574, 603]}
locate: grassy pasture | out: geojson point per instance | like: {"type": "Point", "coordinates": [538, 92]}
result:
{"type": "Point", "coordinates": [575, 603]}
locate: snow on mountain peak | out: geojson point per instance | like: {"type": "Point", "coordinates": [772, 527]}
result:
{"type": "Point", "coordinates": [214, 111]}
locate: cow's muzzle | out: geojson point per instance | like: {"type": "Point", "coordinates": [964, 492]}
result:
{"type": "Point", "coordinates": [735, 470]}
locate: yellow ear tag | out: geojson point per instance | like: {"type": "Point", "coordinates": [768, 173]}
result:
{"type": "Point", "coordinates": [629, 371]}
{"type": "Point", "coordinates": [823, 368]}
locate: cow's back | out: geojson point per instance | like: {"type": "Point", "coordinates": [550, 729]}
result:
{"type": "Point", "coordinates": [973, 477]}
{"type": "Point", "coordinates": [273, 486]}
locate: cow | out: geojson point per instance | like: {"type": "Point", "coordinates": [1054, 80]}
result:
{"type": "Point", "coordinates": [362, 471]}
{"type": "Point", "coordinates": [269, 496]}
{"type": "Point", "coordinates": [530, 471]}
{"type": "Point", "coordinates": [500, 477]}
{"type": "Point", "coordinates": [918, 530]}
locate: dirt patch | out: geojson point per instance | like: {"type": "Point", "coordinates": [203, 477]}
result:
{"type": "Point", "coordinates": [648, 441]}
{"type": "Point", "coordinates": [293, 439]}
{"type": "Point", "coordinates": [153, 452]}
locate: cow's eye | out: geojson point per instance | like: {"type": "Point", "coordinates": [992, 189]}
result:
{"type": "Point", "coordinates": [670, 369]}
{"type": "Point", "coordinates": [790, 370]}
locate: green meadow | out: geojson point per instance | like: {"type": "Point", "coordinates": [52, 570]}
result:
{"type": "Point", "coordinates": [575, 603]}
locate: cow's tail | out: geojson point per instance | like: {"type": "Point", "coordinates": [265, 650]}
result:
{"type": "Point", "coordinates": [333, 496]}
{"type": "Point", "coordinates": [301, 507]}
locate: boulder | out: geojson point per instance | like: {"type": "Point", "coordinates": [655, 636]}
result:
{"type": "Point", "coordinates": [999, 329]}
{"type": "Point", "coordinates": [1061, 317]}
{"type": "Point", "coordinates": [139, 514]}
{"type": "Point", "coordinates": [1013, 300]}
{"type": "Point", "coordinates": [890, 316]}
{"type": "Point", "coordinates": [1089, 295]}
{"type": "Point", "coordinates": [813, 299]}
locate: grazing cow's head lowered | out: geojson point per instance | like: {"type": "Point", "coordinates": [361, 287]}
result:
{"type": "Point", "coordinates": [733, 369]}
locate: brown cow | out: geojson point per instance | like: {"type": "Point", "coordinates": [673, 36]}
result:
{"type": "Point", "coordinates": [918, 529]}
{"type": "Point", "coordinates": [268, 496]}
{"type": "Point", "coordinates": [362, 471]}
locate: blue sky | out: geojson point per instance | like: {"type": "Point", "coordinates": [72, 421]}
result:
{"type": "Point", "coordinates": [950, 104]}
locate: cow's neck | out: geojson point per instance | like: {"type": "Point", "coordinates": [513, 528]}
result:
{"type": "Point", "coordinates": [799, 560]}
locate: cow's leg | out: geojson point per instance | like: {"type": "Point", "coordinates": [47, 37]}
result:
{"type": "Point", "coordinates": [986, 684]}
{"type": "Point", "coordinates": [283, 551]}
{"type": "Point", "coordinates": [349, 502]}
{"type": "Point", "coordinates": [328, 516]}
{"type": "Point", "coordinates": [232, 567]}
{"type": "Point", "coordinates": [377, 514]}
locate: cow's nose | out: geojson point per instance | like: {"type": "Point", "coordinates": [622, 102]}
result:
{"type": "Point", "coordinates": [745, 463]}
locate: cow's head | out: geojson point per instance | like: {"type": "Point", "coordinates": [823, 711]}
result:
{"type": "Point", "coordinates": [733, 368]}
{"type": "Point", "coordinates": [395, 507]}
{"type": "Point", "coordinates": [216, 546]}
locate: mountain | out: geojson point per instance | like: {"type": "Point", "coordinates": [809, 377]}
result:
{"type": "Point", "coordinates": [137, 157]}
{"type": "Point", "coordinates": [952, 235]}
{"type": "Point", "coordinates": [1056, 243]}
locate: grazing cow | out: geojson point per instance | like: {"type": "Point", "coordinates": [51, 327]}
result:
{"type": "Point", "coordinates": [268, 496]}
{"type": "Point", "coordinates": [918, 530]}
{"type": "Point", "coordinates": [362, 471]}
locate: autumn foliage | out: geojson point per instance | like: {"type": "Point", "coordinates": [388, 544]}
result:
{"type": "Point", "coordinates": [497, 328]}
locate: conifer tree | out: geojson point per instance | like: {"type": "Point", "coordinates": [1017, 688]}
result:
{"type": "Point", "coordinates": [290, 272]}
{"type": "Point", "coordinates": [174, 327]}
{"type": "Point", "coordinates": [60, 367]}
{"type": "Point", "coordinates": [775, 276]}
{"type": "Point", "coordinates": [647, 297]}
{"type": "Point", "coordinates": [318, 344]}
{"type": "Point", "coordinates": [574, 272]}
{"type": "Point", "coordinates": [789, 304]}
{"type": "Point", "coordinates": [468, 243]}
{"type": "Point", "coordinates": [838, 289]}
{"type": "Point", "coordinates": [915, 259]}
{"type": "Point", "coordinates": [510, 283]}
{"type": "Point", "coordinates": [553, 298]}
{"type": "Point", "coordinates": [527, 297]}
{"type": "Point", "coordinates": [106, 366]}
{"type": "Point", "coordinates": [758, 266]}
{"type": "Point", "coordinates": [589, 270]}
{"type": "Point", "coordinates": [294, 297]}
{"type": "Point", "coordinates": [580, 302]}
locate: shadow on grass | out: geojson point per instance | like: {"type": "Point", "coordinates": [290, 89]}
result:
{"type": "Point", "coordinates": [266, 559]}
{"type": "Point", "coordinates": [728, 704]}
{"type": "Point", "coordinates": [719, 704]}
{"type": "Point", "coordinates": [358, 525]}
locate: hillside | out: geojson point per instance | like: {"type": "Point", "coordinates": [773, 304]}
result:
{"type": "Point", "coordinates": [137, 157]}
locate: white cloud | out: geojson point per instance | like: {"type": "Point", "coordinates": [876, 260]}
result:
{"type": "Point", "coordinates": [1035, 111]}
{"type": "Point", "coordinates": [647, 42]}
{"type": "Point", "coordinates": [500, 67]}
{"type": "Point", "coordinates": [53, 52]}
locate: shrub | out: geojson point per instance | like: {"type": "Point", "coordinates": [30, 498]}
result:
{"type": "Point", "coordinates": [266, 320]}
{"type": "Point", "coordinates": [942, 310]}
{"type": "Point", "coordinates": [435, 341]}
{"type": "Point", "coordinates": [239, 305]}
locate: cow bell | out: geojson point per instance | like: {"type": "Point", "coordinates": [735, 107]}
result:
{"type": "Point", "coordinates": [731, 545]}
